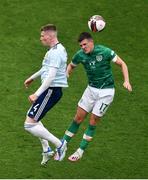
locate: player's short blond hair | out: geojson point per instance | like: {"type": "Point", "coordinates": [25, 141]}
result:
{"type": "Point", "coordinates": [49, 27]}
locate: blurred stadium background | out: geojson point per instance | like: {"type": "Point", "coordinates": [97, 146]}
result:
{"type": "Point", "coordinates": [120, 147]}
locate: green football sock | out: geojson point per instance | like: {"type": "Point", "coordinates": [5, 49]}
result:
{"type": "Point", "coordinates": [89, 132]}
{"type": "Point", "coordinates": [84, 143]}
{"type": "Point", "coordinates": [71, 131]}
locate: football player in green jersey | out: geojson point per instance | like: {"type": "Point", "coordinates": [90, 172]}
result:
{"type": "Point", "coordinates": [99, 93]}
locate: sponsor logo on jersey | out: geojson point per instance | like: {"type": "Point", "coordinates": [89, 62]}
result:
{"type": "Point", "coordinates": [92, 63]}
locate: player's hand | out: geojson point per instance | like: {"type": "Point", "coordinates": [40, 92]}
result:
{"type": "Point", "coordinates": [28, 82]}
{"type": "Point", "coordinates": [67, 74]}
{"type": "Point", "coordinates": [69, 69]}
{"type": "Point", "coordinates": [127, 85]}
{"type": "Point", "coordinates": [32, 98]}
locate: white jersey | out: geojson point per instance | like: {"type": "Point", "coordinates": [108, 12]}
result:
{"type": "Point", "coordinates": [55, 57]}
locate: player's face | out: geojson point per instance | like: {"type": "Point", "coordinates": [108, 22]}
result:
{"type": "Point", "coordinates": [87, 45]}
{"type": "Point", "coordinates": [46, 37]}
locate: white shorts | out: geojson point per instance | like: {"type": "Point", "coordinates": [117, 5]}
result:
{"type": "Point", "coordinates": [96, 100]}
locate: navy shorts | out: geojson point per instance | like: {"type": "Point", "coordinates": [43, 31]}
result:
{"type": "Point", "coordinates": [45, 102]}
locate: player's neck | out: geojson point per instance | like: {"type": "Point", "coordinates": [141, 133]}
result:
{"type": "Point", "coordinates": [92, 49]}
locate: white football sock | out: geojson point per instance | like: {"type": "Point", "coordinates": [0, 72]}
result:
{"type": "Point", "coordinates": [44, 142]}
{"type": "Point", "coordinates": [38, 130]}
{"type": "Point", "coordinates": [80, 151]}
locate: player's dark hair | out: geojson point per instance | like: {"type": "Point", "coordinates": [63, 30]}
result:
{"type": "Point", "coordinates": [84, 35]}
{"type": "Point", "coordinates": [49, 27]}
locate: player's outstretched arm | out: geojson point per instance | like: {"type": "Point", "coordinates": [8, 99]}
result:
{"type": "Point", "coordinates": [70, 69]}
{"type": "Point", "coordinates": [31, 78]}
{"type": "Point", "coordinates": [51, 75]}
{"type": "Point", "coordinates": [28, 82]}
{"type": "Point", "coordinates": [125, 73]}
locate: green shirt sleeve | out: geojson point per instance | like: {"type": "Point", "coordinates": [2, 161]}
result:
{"type": "Point", "coordinates": [110, 54]}
{"type": "Point", "coordinates": [76, 59]}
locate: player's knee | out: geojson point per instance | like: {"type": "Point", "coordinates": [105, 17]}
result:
{"type": "Point", "coordinates": [29, 122]}
{"type": "Point", "coordinates": [94, 120]}
{"type": "Point", "coordinates": [78, 118]}
{"type": "Point", "coordinates": [26, 127]}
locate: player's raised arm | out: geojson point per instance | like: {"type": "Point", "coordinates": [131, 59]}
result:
{"type": "Point", "coordinates": [125, 73]}
{"type": "Point", "coordinates": [70, 69]}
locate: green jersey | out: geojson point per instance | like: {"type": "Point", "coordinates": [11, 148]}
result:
{"type": "Point", "coordinates": [97, 66]}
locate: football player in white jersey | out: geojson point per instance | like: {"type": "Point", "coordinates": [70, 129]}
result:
{"type": "Point", "coordinates": [53, 76]}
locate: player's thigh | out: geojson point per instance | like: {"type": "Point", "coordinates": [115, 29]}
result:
{"type": "Point", "coordinates": [44, 103]}
{"type": "Point", "coordinates": [86, 102]}
{"type": "Point", "coordinates": [102, 104]}
{"type": "Point", "coordinates": [53, 100]}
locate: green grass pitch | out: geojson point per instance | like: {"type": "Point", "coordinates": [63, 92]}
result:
{"type": "Point", "coordinates": [120, 146]}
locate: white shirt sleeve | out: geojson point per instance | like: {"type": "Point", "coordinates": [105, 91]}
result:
{"type": "Point", "coordinates": [35, 75]}
{"type": "Point", "coordinates": [47, 81]}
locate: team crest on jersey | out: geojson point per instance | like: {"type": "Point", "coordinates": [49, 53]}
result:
{"type": "Point", "coordinates": [99, 58]}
